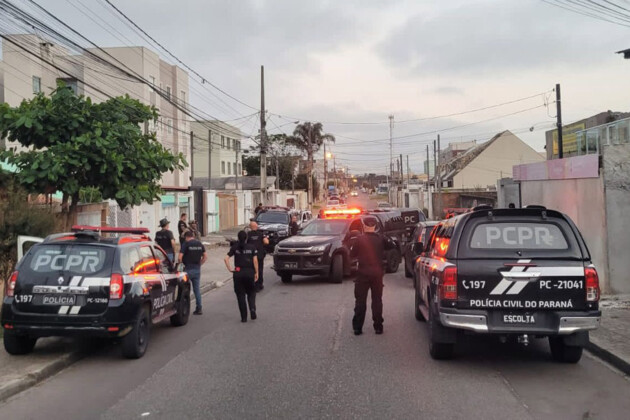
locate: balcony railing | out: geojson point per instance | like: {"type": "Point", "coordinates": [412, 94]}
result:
{"type": "Point", "coordinates": [590, 141]}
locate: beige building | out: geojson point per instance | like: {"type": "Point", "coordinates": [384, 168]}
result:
{"type": "Point", "coordinates": [217, 150]}
{"type": "Point", "coordinates": [23, 74]}
{"type": "Point", "coordinates": [482, 166]}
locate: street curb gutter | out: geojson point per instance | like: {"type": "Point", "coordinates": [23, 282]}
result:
{"type": "Point", "coordinates": [607, 356]}
{"type": "Point", "coordinates": [17, 385]}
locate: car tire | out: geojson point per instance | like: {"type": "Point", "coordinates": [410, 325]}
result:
{"type": "Point", "coordinates": [563, 353]}
{"type": "Point", "coordinates": [418, 312]}
{"type": "Point", "coordinates": [393, 261]}
{"type": "Point", "coordinates": [408, 272]}
{"type": "Point", "coordinates": [135, 343]}
{"type": "Point", "coordinates": [336, 270]}
{"type": "Point", "coordinates": [286, 277]}
{"type": "Point", "coordinates": [183, 311]}
{"type": "Point", "coordinates": [437, 350]}
{"type": "Point", "coordinates": [18, 344]}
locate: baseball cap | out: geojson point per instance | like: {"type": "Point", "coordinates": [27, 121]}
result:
{"type": "Point", "coordinates": [164, 222]}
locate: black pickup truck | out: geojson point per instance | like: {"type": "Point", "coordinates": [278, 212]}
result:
{"type": "Point", "coordinates": [520, 273]}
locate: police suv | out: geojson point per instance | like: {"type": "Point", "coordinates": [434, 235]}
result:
{"type": "Point", "coordinates": [85, 284]}
{"type": "Point", "coordinates": [508, 272]}
{"type": "Point", "coordinates": [274, 224]}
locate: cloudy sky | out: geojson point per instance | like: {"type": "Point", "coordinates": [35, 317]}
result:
{"type": "Point", "coordinates": [357, 61]}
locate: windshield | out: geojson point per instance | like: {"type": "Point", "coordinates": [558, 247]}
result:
{"type": "Point", "coordinates": [273, 217]}
{"type": "Point", "coordinates": [518, 236]}
{"type": "Point", "coordinates": [70, 258]}
{"type": "Point", "coordinates": [325, 227]}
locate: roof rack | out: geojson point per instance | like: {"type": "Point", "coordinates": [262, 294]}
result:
{"type": "Point", "coordinates": [482, 207]}
{"type": "Point", "coordinates": [536, 206]}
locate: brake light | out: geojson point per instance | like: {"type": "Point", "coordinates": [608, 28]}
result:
{"type": "Point", "coordinates": [10, 289]}
{"type": "Point", "coordinates": [116, 286]}
{"type": "Point", "coordinates": [448, 284]}
{"type": "Point", "coordinates": [592, 284]}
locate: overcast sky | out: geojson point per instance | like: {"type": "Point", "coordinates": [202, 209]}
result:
{"type": "Point", "coordinates": [361, 60]}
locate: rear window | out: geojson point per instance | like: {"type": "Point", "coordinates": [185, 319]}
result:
{"type": "Point", "coordinates": [521, 236]}
{"type": "Point", "coordinates": [70, 258]}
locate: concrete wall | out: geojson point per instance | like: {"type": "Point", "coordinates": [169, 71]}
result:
{"type": "Point", "coordinates": [202, 155]}
{"type": "Point", "coordinates": [508, 191]}
{"type": "Point", "coordinates": [583, 201]}
{"type": "Point", "coordinates": [616, 174]}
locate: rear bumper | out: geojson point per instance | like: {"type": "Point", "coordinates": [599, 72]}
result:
{"type": "Point", "coordinates": [77, 330]}
{"type": "Point", "coordinates": [547, 323]}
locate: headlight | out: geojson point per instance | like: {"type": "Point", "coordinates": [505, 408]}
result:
{"type": "Point", "coordinates": [283, 233]}
{"type": "Point", "coordinates": [319, 248]}
{"type": "Point", "coordinates": [276, 248]}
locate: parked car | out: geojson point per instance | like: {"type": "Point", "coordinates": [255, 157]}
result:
{"type": "Point", "coordinates": [416, 245]}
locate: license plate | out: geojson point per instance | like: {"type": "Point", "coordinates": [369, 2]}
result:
{"type": "Point", "coordinates": [57, 300]}
{"type": "Point", "coordinates": [519, 319]}
{"type": "Point", "coordinates": [290, 265]}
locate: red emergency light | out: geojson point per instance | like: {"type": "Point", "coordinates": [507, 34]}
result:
{"type": "Point", "coordinates": [108, 229]}
{"type": "Point", "coordinates": [341, 213]}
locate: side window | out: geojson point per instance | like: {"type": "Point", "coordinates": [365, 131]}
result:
{"type": "Point", "coordinates": [433, 239]}
{"type": "Point", "coordinates": [165, 263]}
{"type": "Point", "coordinates": [129, 259]}
{"type": "Point", "coordinates": [147, 264]}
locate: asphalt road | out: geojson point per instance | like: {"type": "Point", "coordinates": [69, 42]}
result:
{"type": "Point", "coordinates": [301, 360]}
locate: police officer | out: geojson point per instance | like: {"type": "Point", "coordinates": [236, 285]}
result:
{"type": "Point", "coordinates": [165, 239]}
{"type": "Point", "coordinates": [193, 255]}
{"type": "Point", "coordinates": [294, 228]}
{"type": "Point", "coordinates": [256, 238]}
{"type": "Point", "coordinates": [245, 274]}
{"type": "Point", "coordinates": [182, 226]}
{"type": "Point", "coordinates": [370, 250]}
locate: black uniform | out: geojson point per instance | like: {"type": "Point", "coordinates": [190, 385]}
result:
{"type": "Point", "coordinates": [255, 238]}
{"type": "Point", "coordinates": [181, 227]}
{"type": "Point", "coordinates": [294, 228]}
{"type": "Point", "coordinates": [370, 249]}
{"type": "Point", "coordinates": [244, 281]}
{"type": "Point", "coordinates": [163, 238]}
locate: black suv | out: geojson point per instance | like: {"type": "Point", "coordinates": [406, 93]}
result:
{"type": "Point", "coordinates": [322, 248]}
{"type": "Point", "coordinates": [86, 284]}
{"type": "Point", "coordinates": [274, 224]}
{"type": "Point", "coordinates": [416, 244]}
{"type": "Point", "coordinates": [508, 272]}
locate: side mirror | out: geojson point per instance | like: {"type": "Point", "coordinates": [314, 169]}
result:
{"type": "Point", "coordinates": [418, 247]}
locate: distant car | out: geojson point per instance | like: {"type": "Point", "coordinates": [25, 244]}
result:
{"type": "Point", "coordinates": [354, 194]}
{"type": "Point", "coordinates": [332, 202]}
{"type": "Point", "coordinates": [416, 245]}
{"type": "Point", "coordinates": [274, 223]}
{"type": "Point", "coordinates": [84, 284]}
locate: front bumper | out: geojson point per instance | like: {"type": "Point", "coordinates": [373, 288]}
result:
{"type": "Point", "coordinates": [306, 263]}
{"type": "Point", "coordinates": [547, 323]}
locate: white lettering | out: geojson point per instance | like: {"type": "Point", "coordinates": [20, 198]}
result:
{"type": "Point", "coordinates": [92, 262]}
{"type": "Point", "coordinates": [54, 264]}
{"type": "Point", "coordinates": [543, 235]}
{"type": "Point", "coordinates": [74, 261]}
{"type": "Point", "coordinates": [492, 233]}
{"type": "Point", "coordinates": [42, 261]}
{"type": "Point", "coordinates": [506, 240]}
{"type": "Point", "coordinates": [524, 234]}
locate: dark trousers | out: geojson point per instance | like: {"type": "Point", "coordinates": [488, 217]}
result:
{"type": "Point", "coordinates": [361, 288]}
{"type": "Point", "coordinates": [261, 269]}
{"type": "Point", "coordinates": [244, 287]}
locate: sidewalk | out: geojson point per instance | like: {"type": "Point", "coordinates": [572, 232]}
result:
{"type": "Point", "coordinates": [611, 341]}
{"type": "Point", "coordinates": [219, 239]}
{"type": "Point", "coordinates": [52, 355]}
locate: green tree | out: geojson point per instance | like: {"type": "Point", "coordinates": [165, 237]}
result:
{"type": "Point", "coordinates": [308, 137]}
{"type": "Point", "coordinates": [71, 143]}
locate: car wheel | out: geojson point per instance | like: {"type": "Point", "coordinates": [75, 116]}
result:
{"type": "Point", "coordinates": [286, 277]}
{"type": "Point", "coordinates": [183, 311]}
{"type": "Point", "coordinates": [18, 344]}
{"type": "Point", "coordinates": [408, 272]}
{"type": "Point", "coordinates": [393, 261]}
{"type": "Point", "coordinates": [563, 353]}
{"type": "Point", "coordinates": [336, 270]}
{"type": "Point", "coordinates": [418, 312]}
{"type": "Point", "coordinates": [134, 344]}
{"type": "Point", "coordinates": [437, 350]}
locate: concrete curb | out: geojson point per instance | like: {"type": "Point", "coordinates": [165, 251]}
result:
{"type": "Point", "coordinates": [15, 386]}
{"type": "Point", "coordinates": [608, 356]}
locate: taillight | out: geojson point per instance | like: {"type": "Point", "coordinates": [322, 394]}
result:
{"type": "Point", "coordinates": [448, 284]}
{"type": "Point", "coordinates": [116, 286]}
{"type": "Point", "coordinates": [10, 289]}
{"type": "Point", "coordinates": [592, 284]}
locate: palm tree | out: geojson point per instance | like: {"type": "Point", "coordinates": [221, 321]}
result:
{"type": "Point", "coordinates": [308, 138]}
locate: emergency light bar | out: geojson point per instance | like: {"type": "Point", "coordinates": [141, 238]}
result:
{"type": "Point", "coordinates": [108, 229]}
{"type": "Point", "coordinates": [341, 212]}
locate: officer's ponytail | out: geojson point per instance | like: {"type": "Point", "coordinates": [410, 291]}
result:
{"type": "Point", "coordinates": [242, 239]}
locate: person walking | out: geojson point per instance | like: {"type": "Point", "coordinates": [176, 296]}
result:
{"type": "Point", "coordinates": [370, 251]}
{"type": "Point", "coordinates": [193, 255]}
{"type": "Point", "coordinates": [256, 238]}
{"type": "Point", "coordinates": [182, 226]}
{"type": "Point", "coordinates": [165, 239]}
{"type": "Point", "coordinates": [245, 274]}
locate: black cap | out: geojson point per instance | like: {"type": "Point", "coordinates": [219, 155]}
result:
{"type": "Point", "coordinates": [370, 221]}
{"type": "Point", "coordinates": [164, 222]}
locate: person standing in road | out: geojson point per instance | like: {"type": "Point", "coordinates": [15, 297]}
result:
{"type": "Point", "coordinates": [193, 255]}
{"type": "Point", "coordinates": [294, 228]}
{"type": "Point", "coordinates": [194, 228]}
{"type": "Point", "coordinates": [182, 226]}
{"type": "Point", "coordinates": [370, 253]}
{"type": "Point", "coordinates": [165, 239]}
{"type": "Point", "coordinates": [245, 274]}
{"type": "Point", "coordinates": [258, 208]}
{"type": "Point", "coordinates": [256, 238]}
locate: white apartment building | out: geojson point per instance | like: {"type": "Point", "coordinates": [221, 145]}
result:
{"type": "Point", "coordinates": [22, 75]}
{"type": "Point", "coordinates": [217, 150]}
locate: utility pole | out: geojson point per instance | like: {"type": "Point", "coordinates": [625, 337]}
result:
{"type": "Point", "coordinates": [429, 197]}
{"type": "Point", "coordinates": [209, 159]}
{"type": "Point", "coordinates": [559, 121]}
{"type": "Point", "coordinates": [192, 159]}
{"type": "Point", "coordinates": [263, 140]}
{"type": "Point", "coordinates": [236, 167]}
{"type": "Point", "coordinates": [439, 177]}
{"type": "Point", "coordinates": [325, 171]}
{"type": "Point", "coordinates": [277, 172]}
{"type": "Point", "coordinates": [435, 169]}
{"type": "Point", "coordinates": [310, 168]}
{"type": "Point", "coordinates": [407, 171]}
{"type": "Point", "coordinates": [391, 156]}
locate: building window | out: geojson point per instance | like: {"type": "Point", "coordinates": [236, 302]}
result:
{"type": "Point", "coordinates": [237, 145]}
{"type": "Point", "coordinates": [222, 168]}
{"type": "Point", "coordinates": [168, 93]}
{"type": "Point", "coordinates": [229, 165]}
{"type": "Point", "coordinates": [152, 80]}
{"type": "Point", "coordinates": [234, 164]}
{"type": "Point", "coordinates": [229, 143]}
{"type": "Point", "coordinates": [70, 83]}
{"type": "Point", "coordinates": [183, 96]}
{"type": "Point", "coordinates": [222, 142]}
{"type": "Point", "coordinates": [37, 84]}
{"type": "Point", "coordinates": [169, 127]}
{"type": "Point", "coordinates": [239, 169]}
